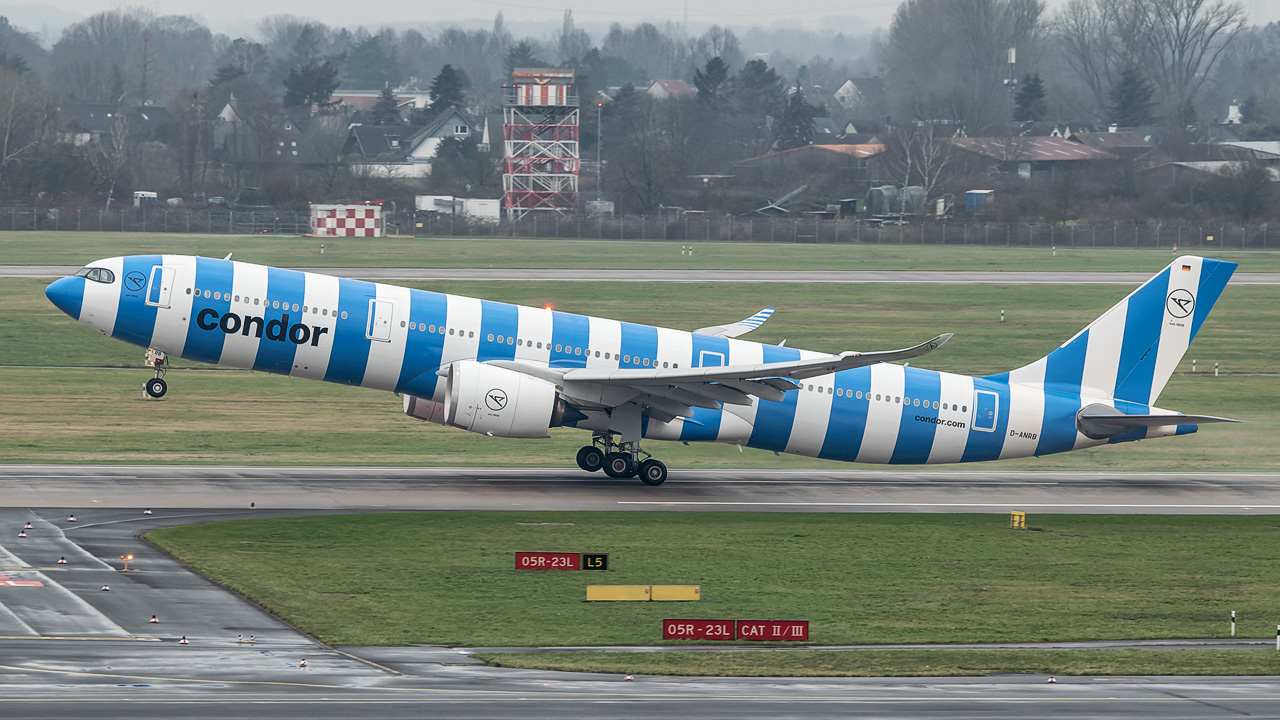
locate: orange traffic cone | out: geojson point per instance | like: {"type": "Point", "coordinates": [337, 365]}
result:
{"type": "Point", "coordinates": [71, 518]}
{"type": "Point", "coordinates": [62, 560]}
{"type": "Point", "coordinates": [154, 619]}
{"type": "Point", "coordinates": [628, 678]}
{"type": "Point", "coordinates": [184, 641]}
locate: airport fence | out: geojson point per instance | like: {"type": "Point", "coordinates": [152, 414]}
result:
{"type": "Point", "coordinates": [689, 228]}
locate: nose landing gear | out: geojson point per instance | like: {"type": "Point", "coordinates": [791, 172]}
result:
{"type": "Point", "coordinates": [621, 460]}
{"type": "Point", "coordinates": [156, 386]}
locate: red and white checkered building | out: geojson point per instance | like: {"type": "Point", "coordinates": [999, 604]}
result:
{"type": "Point", "coordinates": [346, 220]}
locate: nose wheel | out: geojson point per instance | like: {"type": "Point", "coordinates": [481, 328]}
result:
{"type": "Point", "coordinates": [621, 460]}
{"type": "Point", "coordinates": [156, 387]}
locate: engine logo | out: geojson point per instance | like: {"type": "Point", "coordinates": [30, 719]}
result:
{"type": "Point", "coordinates": [495, 399]}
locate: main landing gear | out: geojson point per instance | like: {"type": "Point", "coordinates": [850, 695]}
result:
{"type": "Point", "coordinates": [621, 460]}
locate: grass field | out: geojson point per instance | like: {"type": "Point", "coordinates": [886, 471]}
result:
{"type": "Point", "coordinates": [449, 578]}
{"type": "Point", "coordinates": [70, 415]}
{"type": "Point", "coordinates": [904, 663]}
{"type": "Point", "coordinates": [68, 248]}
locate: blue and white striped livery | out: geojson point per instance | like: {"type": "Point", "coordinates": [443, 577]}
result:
{"type": "Point", "coordinates": [512, 371]}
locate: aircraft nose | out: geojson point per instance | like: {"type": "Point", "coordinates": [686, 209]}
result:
{"type": "Point", "coordinates": [67, 294]}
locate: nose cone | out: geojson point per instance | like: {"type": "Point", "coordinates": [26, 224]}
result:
{"type": "Point", "coordinates": [67, 294]}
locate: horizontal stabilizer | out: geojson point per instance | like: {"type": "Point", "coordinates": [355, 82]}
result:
{"type": "Point", "coordinates": [1102, 421]}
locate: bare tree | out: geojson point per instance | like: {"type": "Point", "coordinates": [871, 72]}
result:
{"type": "Point", "coordinates": [946, 60]}
{"type": "Point", "coordinates": [1174, 42]}
{"type": "Point", "coordinates": [920, 155]}
{"type": "Point", "coordinates": [23, 117]}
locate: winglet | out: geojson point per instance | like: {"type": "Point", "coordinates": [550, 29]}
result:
{"type": "Point", "coordinates": [741, 327]}
{"type": "Point", "coordinates": [872, 358]}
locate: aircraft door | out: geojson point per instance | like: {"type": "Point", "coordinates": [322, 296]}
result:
{"type": "Point", "coordinates": [380, 317]}
{"type": "Point", "coordinates": [161, 288]}
{"type": "Point", "coordinates": [986, 407]}
{"type": "Point", "coordinates": [709, 358]}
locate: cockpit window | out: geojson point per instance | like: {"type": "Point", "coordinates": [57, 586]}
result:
{"type": "Point", "coordinates": [101, 275]}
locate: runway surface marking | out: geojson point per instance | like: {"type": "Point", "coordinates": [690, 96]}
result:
{"type": "Point", "coordinates": [95, 638]}
{"type": "Point", "coordinates": [53, 609]}
{"type": "Point", "coordinates": [6, 582]}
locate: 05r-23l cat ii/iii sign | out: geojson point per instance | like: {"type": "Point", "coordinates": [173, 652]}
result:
{"type": "Point", "coordinates": [512, 371]}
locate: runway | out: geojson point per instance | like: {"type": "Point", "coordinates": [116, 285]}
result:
{"type": "Point", "coordinates": [895, 277]}
{"type": "Point", "coordinates": [71, 650]}
{"type": "Point", "coordinates": [480, 488]}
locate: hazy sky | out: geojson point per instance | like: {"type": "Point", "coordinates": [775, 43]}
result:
{"type": "Point", "coordinates": [239, 17]}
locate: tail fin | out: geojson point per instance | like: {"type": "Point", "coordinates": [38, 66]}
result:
{"type": "Point", "coordinates": [1130, 352]}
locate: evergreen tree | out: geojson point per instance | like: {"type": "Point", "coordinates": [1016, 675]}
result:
{"type": "Point", "coordinates": [447, 88]}
{"type": "Point", "coordinates": [1132, 99]}
{"type": "Point", "coordinates": [1029, 103]}
{"type": "Point", "coordinates": [311, 84]}
{"type": "Point", "coordinates": [794, 127]}
{"type": "Point", "coordinates": [757, 90]}
{"type": "Point", "coordinates": [523, 54]}
{"type": "Point", "coordinates": [386, 111]}
{"type": "Point", "coordinates": [711, 82]}
{"type": "Point", "coordinates": [225, 74]}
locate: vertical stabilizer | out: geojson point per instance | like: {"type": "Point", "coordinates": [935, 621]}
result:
{"type": "Point", "coordinates": [1130, 352]}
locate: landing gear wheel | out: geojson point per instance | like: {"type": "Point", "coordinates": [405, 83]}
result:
{"type": "Point", "coordinates": [619, 465]}
{"type": "Point", "coordinates": [156, 387]}
{"type": "Point", "coordinates": [590, 458]}
{"type": "Point", "coordinates": [653, 472]}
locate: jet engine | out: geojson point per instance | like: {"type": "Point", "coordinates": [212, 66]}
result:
{"type": "Point", "coordinates": [496, 401]}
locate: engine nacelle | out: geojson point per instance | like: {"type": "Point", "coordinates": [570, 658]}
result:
{"type": "Point", "coordinates": [504, 403]}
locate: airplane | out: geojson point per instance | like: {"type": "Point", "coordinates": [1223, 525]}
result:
{"type": "Point", "coordinates": [512, 371]}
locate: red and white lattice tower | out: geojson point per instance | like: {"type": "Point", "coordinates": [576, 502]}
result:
{"type": "Point", "coordinates": [540, 148]}
{"type": "Point", "coordinates": [356, 220]}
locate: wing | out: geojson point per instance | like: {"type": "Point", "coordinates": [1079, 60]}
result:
{"type": "Point", "coordinates": [672, 393]}
{"type": "Point", "coordinates": [742, 327]}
